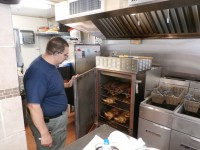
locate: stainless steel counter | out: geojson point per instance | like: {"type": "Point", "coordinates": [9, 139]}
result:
{"type": "Point", "coordinates": [103, 131]}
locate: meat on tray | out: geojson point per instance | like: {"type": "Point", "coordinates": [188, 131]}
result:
{"type": "Point", "coordinates": [110, 85]}
{"type": "Point", "coordinates": [115, 88]}
{"type": "Point", "coordinates": [110, 100]}
{"type": "Point", "coordinates": [111, 113]}
{"type": "Point", "coordinates": [122, 87]}
{"type": "Point", "coordinates": [127, 91]}
{"type": "Point", "coordinates": [120, 119]}
{"type": "Point", "coordinates": [126, 114]}
{"type": "Point", "coordinates": [123, 117]}
{"type": "Point", "coordinates": [126, 100]}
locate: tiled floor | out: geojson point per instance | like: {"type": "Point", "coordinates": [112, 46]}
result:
{"type": "Point", "coordinates": [71, 136]}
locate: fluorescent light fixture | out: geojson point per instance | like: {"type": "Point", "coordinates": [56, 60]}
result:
{"type": "Point", "coordinates": [38, 4]}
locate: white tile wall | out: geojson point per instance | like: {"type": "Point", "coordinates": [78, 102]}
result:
{"type": "Point", "coordinates": [12, 132]}
{"type": "Point", "coordinates": [8, 68]}
{"type": "Point", "coordinates": [12, 113]}
{"type": "Point", "coordinates": [14, 142]}
{"type": "Point", "coordinates": [6, 34]}
{"type": "Point", "coordinates": [1, 126]}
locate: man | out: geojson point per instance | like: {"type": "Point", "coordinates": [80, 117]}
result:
{"type": "Point", "coordinates": [47, 101]}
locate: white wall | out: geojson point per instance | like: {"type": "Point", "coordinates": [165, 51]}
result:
{"type": "Point", "coordinates": [12, 131]}
{"type": "Point", "coordinates": [31, 51]}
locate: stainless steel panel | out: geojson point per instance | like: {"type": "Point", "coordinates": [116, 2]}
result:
{"type": "Point", "coordinates": [168, 20]}
{"type": "Point", "coordinates": [114, 73]}
{"type": "Point", "coordinates": [179, 57]}
{"type": "Point", "coordinates": [186, 124]}
{"type": "Point", "coordinates": [84, 101]}
{"type": "Point", "coordinates": [154, 135]}
{"type": "Point", "coordinates": [146, 23]}
{"type": "Point", "coordinates": [130, 24]}
{"type": "Point", "coordinates": [152, 80]}
{"type": "Point", "coordinates": [180, 141]}
{"type": "Point", "coordinates": [195, 12]}
{"type": "Point", "coordinates": [163, 21]}
{"type": "Point", "coordinates": [156, 114]}
{"type": "Point", "coordinates": [183, 20]}
{"type": "Point", "coordinates": [124, 64]}
{"type": "Point", "coordinates": [174, 19]}
{"type": "Point", "coordinates": [194, 85]}
{"type": "Point", "coordinates": [176, 82]}
{"type": "Point", "coordinates": [120, 26]}
{"type": "Point", "coordinates": [85, 56]}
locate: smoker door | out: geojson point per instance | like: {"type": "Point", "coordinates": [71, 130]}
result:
{"type": "Point", "coordinates": [84, 102]}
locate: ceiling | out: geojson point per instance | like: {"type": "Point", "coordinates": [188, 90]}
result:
{"type": "Point", "coordinates": [31, 12]}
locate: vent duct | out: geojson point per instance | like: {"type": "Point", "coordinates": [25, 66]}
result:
{"type": "Point", "coordinates": [80, 6]}
{"type": "Point", "coordinates": [163, 19]}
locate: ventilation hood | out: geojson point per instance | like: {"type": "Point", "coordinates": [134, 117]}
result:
{"type": "Point", "coordinates": [160, 19]}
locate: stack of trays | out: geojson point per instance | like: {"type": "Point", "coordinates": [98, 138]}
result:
{"type": "Point", "coordinates": [129, 63]}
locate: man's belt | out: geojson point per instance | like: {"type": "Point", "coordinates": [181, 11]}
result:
{"type": "Point", "coordinates": [46, 118]}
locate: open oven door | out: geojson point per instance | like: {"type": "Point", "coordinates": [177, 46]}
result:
{"type": "Point", "coordinates": [84, 102]}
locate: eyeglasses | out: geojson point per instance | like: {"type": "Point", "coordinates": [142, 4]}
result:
{"type": "Point", "coordinates": [66, 55]}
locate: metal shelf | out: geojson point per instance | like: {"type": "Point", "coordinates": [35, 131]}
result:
{"type": "Point", "coordinates": [53, 34]}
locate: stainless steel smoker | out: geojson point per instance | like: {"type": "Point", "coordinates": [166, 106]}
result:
{"type": "Point", "coordinates": [93, 98]}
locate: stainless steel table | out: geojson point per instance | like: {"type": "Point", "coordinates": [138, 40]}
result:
{"type": "Point", "coordinates": [103, 131]}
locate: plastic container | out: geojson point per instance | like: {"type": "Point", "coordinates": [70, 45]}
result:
{"type": "Point", "coordinates": [103, 146]}
{"type": "Point", "coordinates": [106, 145]}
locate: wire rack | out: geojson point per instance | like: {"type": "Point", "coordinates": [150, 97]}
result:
{"type": "Point", "coordinates": [192, 101]}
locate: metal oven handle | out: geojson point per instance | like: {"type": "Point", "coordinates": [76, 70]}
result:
{"type": "Point", "coordinates": [138, 81]}
{"type": "Point", "coordinates": [153, 133]}
{"type": "Point", "coordinates": [187, 147]}
{"type": "Point", "coordinates": [136, 85]}
{"type": "Point", "coordinates": [195, 139]}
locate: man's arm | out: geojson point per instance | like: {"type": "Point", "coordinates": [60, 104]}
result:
{"type": "Point", "coordinates": [70, 82]}
{"type": "Point", "coordinates": [38, 120]}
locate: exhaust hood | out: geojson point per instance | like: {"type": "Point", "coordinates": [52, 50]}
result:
{"type": "Point", "coordinates": [156, 19]}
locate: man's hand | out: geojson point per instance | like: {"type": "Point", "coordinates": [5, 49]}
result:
{"type": "Point", "coordinates": [38, 120]}
{"type": "Point", "coordinates": [46, 140]}
{"type": "Point", "coordinates": [75, 76]}
{"type": "Point", "coordinates": [70, 82]}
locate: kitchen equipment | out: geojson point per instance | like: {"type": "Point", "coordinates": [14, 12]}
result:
{"type": "Point", "coordinates": [185, 130]}
{"type": "Point", "coordinates": [145, 20]}
{"type": "Point", "coordinates": [129, 63]}
{"type": "Point", "coordinates": [155, 119]}
{"type": "Point", "coordinates": [83, 56]}
{"type": "Point", "coordinates": [186, 124]}
{"type": "Point", "coordinates": [111, 97]}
